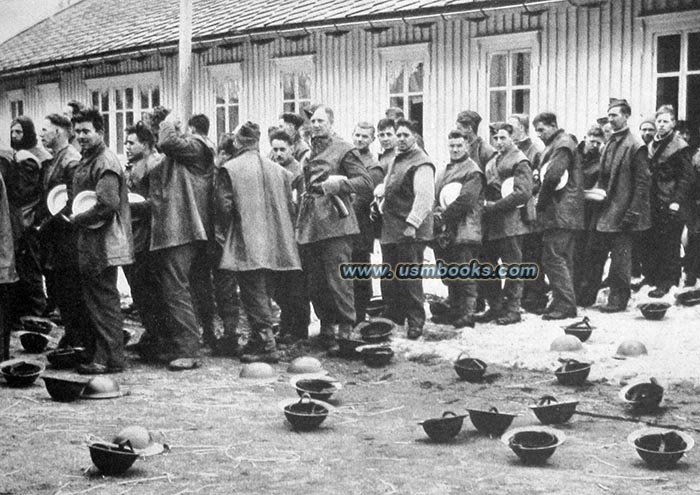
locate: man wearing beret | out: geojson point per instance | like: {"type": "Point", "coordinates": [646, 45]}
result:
{"type": "Point", "coordinates": [625, 176]}
{"type": "Point", "coordinates": [255, 227]}
{"type": "Point", "coordinates": [327, 223]}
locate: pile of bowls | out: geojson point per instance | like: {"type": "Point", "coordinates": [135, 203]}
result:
{"type": "Point", "coordinates": [37, 324]}
{"type": "Point", "coordinates": [21, 373]}
{"type": "Point", "coordinates": [490, 422]}
{"type": "Point", "coordinates": [64, 390]}
{"type": "Point", "coordinates": [573, 372]}
{"type": "Point", "coordinates": [445, 428]}
{"type": "Point", "coordinates": [307, 414]}
{"type": "Point", "coordinates": [661, 449]}
{"type": "Point", "coordinates": [550, 412]}
{"type": "Point", "coordinates": [533, 444]}
{"type": "Point", "coordinates": [348, 347]}
{"type": "Point", "coordinates": [654, 311]}
{"type": "Point", "coordinates": [470, 369]}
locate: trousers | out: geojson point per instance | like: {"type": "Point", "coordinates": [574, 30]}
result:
{"type": "Point", "coordinates": [509, 250]}
{"type": "Point", "coordinates": [404, 297]}
{"type": "Point", "coordinates": [558, 264]}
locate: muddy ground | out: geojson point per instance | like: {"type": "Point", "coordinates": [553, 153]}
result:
{"type": "Point", "coordinates": [230, 437]}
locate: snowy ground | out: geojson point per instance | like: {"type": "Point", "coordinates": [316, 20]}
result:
{"type": "Point", "coordinates": [673, 343]}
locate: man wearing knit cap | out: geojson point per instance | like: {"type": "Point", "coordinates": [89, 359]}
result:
{"type": "Point", "coordinates": [647, 129]}
{"type": "Point", "coordinates": [479, 150]}
{"type": "Point", "coordinates": [327, 222]}
{"type": "Point", "coordinates": [254, 226]}
{"type": "Point", "coordinates": [624, 175]}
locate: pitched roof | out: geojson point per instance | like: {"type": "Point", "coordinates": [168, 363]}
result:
{"type": "Point", "coordinates": [98, 27]}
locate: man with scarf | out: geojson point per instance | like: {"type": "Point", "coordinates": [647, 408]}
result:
{"type": "Point", "coordinates": [458, 230]}
{"type": "Point", "coordinates": [255, 227]}
{"type": "Point", "coordinates": [104, 241]}
{"type": "Point", "coordinates": [327, 222]}
{"type": "Point", "coordinates": [672, 178]}
{"type": "Point", "coordinates": [504, 224]}
{"type": "Point", "coordinates": [407, 225]}
{"type": "Point", "coordinates": [24, 190]}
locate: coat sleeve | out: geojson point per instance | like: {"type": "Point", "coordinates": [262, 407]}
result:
{"type": "Point", "coordinates": [223, 205]}
{"type": "Point", "coordinates": [522, 188]}
{"type": "Point", "coordinates": [424, 190]}
{"type": "Point", "coordinates": [559, 162]}
{"type": "Point", "coordinates": [108, 200]}
{"type": "Point", "coordinates": [184, 149]}
{"type": "Point", "coordinates": [641, 181]}
{"type": "Point", "coordinates": [686, 177]}
{"type": "Point", "coordinates": [357, 179]}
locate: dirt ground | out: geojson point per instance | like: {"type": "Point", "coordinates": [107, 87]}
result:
{"type": "Point", "coordinates": [230, 437]}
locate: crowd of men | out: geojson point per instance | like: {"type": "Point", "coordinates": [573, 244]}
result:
{"type": "Point", "coordinates": [201, 230]}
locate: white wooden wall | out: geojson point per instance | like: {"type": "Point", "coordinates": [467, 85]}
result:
{"type": "Point", "coordinates": [587, 55]}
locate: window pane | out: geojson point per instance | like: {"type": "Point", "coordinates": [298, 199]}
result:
{"type": "Point", "coordinates": [304, 87]}
{"type": "Point", "coordinates": [667, 91]}
{"type": "Point", "coordinates": [221, 120]}
{"type": "Point", "coordinates": [396, 101]}
{"type": "Point", "coordinates": [144, 99]}
{"type": "Point", "coordinates": [693, 51]}
{"type": "Point", "coordinates": [129, 93]}
{"type": "Point", "coordinates": [288, 86]}
{"type": "Point", "coordinates": [105, 101]}
{"type": "Point", "coordinates": [521, 69]}
{"type": "Point", "coordinates": [693, 104]}
{"type": "Point", "coordinates": [415, 110]}
{"type": "Point", "coordinates": [233, 92]}
{"type": "Point", "coordinates": [668, 55]}
{"type": "Point", "coordinates": [120, 133]}
{"type": "Point", "coordinates": [395, 76]}
{"type": "Point", "coordinates": [498, 106]}
{"type": "Point", "coordinates": [220, 100]}
{"type": "Point", "coordinates": [96, 99]}
{"type": "Point", "coordinates": [415, 81]}
{"type": "Point", "coordinates": [232, 117]}
{"type": "Point", "coordinates": [521, 101]}
{"type": "Point", "coordinates": [129, 118]}
{"type": "Point", "coordinates": [289, 107]}
{"type": "Point", "coordinates": [118, 99]}
{"type": "Point", "coordinates": [498, 70]}
{"type": "Point", "coordinates": [155, 97]}
{"type": "Point", "coordinates": [105, 119]}
{"type": "Point", "coordinates": [303, 104]}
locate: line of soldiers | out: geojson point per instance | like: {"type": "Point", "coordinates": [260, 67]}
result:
{"type": "Point", "coordinates": [212, 222]}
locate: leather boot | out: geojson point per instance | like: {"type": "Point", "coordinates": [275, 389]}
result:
{"type": "Point", "coordinates": [328, 339]}
{"type": "Point", "coordinates": [467, 318]}
{"type": "Point", "coordinates": [511, 314]}
{"type": "Point", "coordinates": [616, 301]}
{"type": "Point", "coordinates": [267, 352]}
{"type": "Point", "coordinates": [494, 312]}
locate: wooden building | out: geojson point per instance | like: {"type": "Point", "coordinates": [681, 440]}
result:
{"type": "Point", "coordinates": [253, 59]}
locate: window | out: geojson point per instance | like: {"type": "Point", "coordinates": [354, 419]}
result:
{"type": "Point", "coordinates": [406, 75]}
{"type": "Point", "coordinates": [678, 74]}
{"type": "Point", "coordinates": [226, 81]}
{"type": "Point", "coordinates": [509, 84]}
{"type": "Point", "coordinates": [508, 66]}
{"type": "Point", "coordinates": [122, 101]}
{"type": "Point", "coordinates": [16, 108]}
{"type": "Point", "coordinates": [406, 88]}
{"type": "Point", "coordinates": [296, 82]}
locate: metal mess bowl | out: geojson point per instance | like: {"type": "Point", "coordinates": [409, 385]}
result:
{"type": "Point", "coordinates": [533, 444]}
{"type": "Point", "coordinates": [491, 422]}
{"type": "Point", "coordinates": [63, 390]}
{"type": "Point", "coordinates": [470, 369]}
{"type": "Point", "coordinates": [307, 414]}
{"type": "Point", "coordinates": [376, 330]}
{"type": "Point", "coordinates": [549, 411]}
{"type": "Point", "coordinates": [376, 356]}
{"type": "Point", "coordinates": [319, 388]}
{"type": "Point", "coordinates": [112, 459]}
{"type": "Point", "coordinates": [654, 311]}
{"type": "Point", "coordinates": [445, 428]}
{"type": "Point", "coordinates": [21, 373]}
{"type": "Point", "coordinates": [34, 342]}
{"type": "Point", "coordinates": [66, 357]}
{"type": "Point", "coordinates": [643, 395]}
{"type": "Point", "coordinates": [102, 387]}
{"type": "Point", "coordinates": [659, 448]}
{"type": "Point", "coordinates": [573, 372]}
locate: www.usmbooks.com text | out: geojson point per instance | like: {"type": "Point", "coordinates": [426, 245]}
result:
{"type": "Point", "coordinates": [473, 270]}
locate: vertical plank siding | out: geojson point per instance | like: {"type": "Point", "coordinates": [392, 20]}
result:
{"type": "Point", "coordinates": [586, 55]}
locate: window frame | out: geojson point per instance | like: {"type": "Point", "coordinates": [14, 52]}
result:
{"type": "Point", "coordinates": [224, 76]}
{"type": "Point", "coordinates": [668, 25]}
{"type": "Point", "coordinates": [15, 96]}
{"type": "Point", "coordinates": [297, 64]}
{"type": "Point", "coordinates": [487, 46]}
{"type": "Point", "coordinates": [138, 82]}
{"type": "Point", "coordinates": [407, 54]}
